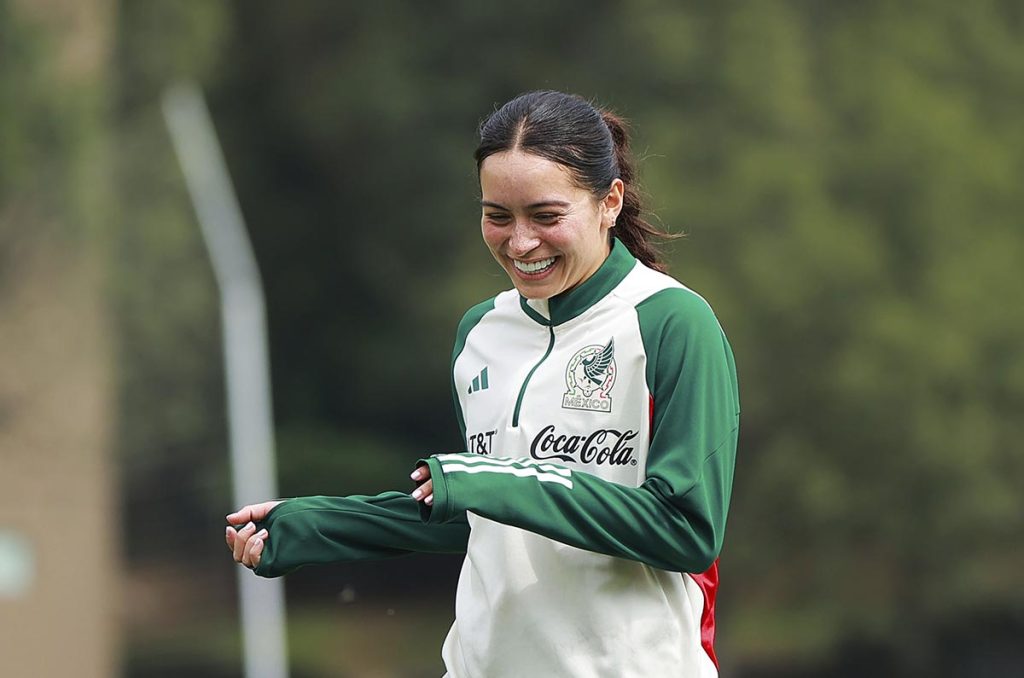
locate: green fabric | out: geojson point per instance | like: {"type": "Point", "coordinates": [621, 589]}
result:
{"type": "Point", "coordinates": [676, 519]}
{"type": "Point", "coordinates": [318, 530]}
{"type": "Point", "coordinates": [468, 322]}
{"type": "Point", "coordinates": [568, 305]}
{"type": "Point", "coordinates": [691, 374]}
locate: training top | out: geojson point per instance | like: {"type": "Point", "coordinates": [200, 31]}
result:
{"type": "Point", "coordinates": [591, 502]}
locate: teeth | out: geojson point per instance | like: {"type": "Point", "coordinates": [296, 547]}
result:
{"type": "Point", "coordinates": [534, 266]}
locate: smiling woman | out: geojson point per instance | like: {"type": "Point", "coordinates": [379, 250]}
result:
{"type": "Point", "coordinates": [548, 233]}
{"type": "Point", "coordinates": [599, 405]}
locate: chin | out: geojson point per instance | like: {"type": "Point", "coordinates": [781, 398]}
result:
{"type": "Point", "coordinates": [540, 289]}
{"type": "Point", "coordinates": [536, 292]}
{"type": "Point", "coordinates": [533, 294]}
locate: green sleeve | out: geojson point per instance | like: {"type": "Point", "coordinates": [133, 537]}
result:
{"type": "Point", "coordinates": [468, 322]}
{"type": "Point", "coordinates": [318, 530]}
{"type": "Point", "coordinates": [675, 520]}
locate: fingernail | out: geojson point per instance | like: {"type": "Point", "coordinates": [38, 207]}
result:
{"type": "Point", "coordinates": [415, 475]}
{"type": "Point", "coordinates": [417, 493]}
{"type": "Point", "coordinates": [250, 525]}
{"type": "Point", "coordinates": [262, 534]}
{"type": "Point", "coordinates": [429, 500]}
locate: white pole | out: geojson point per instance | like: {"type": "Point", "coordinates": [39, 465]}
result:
{"type": "Point", "coordinates": [245, 354]}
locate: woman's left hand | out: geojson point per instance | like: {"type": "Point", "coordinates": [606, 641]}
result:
{"type": "Point", "coordinates": [424, 492]}
{"type": "Point", "coordinates": [245, 543]}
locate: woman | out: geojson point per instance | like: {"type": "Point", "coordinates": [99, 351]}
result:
{"type": "Point", "coordinates": [599, 405]}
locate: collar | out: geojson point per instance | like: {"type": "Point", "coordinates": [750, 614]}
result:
{"type": "Point", "coordinates": [568, 305]}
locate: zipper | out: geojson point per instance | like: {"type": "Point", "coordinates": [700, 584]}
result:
{"type": "Point", "coordinates": [529, 375]}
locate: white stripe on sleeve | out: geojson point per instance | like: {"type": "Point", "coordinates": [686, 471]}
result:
{"type": "Point", "coordinates": [472, 460]}
{"type": "Point", "coordinates": [530, 472]}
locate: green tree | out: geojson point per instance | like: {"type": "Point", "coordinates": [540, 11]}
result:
{"type": "Point", "coordinates": [847, 175]}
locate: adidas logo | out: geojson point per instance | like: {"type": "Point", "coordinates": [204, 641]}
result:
{"type": "Point", "coordinates": [479, 382]}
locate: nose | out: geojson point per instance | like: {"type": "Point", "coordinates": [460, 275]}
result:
{"type": "Point", "coordinates": [522, 240]}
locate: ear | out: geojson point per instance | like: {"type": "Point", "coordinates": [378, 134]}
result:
{"type": "Point", "coordinates": [612, 203]}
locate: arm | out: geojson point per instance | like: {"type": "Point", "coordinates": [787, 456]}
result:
{"type": "Point", "coordinates": [312, 530]}
{"type": "Point", "coordinates": [676, 519]}
{"type": "Point", "coordinates": [317, 530]}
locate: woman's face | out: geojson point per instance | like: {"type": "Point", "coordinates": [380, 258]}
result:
{"type": "Point", "coordinates": [546, 232]}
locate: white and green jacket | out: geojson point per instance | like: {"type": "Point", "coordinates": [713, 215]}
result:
{"type": "Point", "coordinates": [591, 502]}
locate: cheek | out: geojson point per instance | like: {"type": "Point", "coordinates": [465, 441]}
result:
{"type": "Point", "coordinates": [568, 237]}
{"type": "Point", "coordinates": [493, 237]}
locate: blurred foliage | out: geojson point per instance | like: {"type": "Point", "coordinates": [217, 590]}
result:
{"type": "Point", "coordinates": [173, 423]}
{"type": "Point", "coordinates": [53, 181]}
{"type": "Point", "coordinates": [848, 176]}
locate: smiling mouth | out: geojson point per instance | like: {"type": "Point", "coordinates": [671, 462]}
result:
{"type": "Point", "coordinates": [534, 267]}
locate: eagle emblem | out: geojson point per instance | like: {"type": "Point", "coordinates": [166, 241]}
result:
{"type": "Point", "coordinates": [589, 377]}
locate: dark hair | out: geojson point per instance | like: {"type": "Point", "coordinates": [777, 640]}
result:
{"type": "Point", "coordinates": [592, 143]}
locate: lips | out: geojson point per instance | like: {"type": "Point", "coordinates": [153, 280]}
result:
{"type": "Point", "coordinates": [534, 267]}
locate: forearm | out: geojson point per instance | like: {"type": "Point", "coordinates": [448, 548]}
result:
{"type": "Point", "coordinates": [649, 523]}
{"type": "Point", "coordinates": [318, 530]}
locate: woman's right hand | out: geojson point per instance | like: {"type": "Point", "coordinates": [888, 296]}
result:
{"type": "Point", "coordinates": [245, 543]}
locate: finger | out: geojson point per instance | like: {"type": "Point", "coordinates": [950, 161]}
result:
{"type": "Point", "coordinates": [250, 547]}
{"type": "Point", "coordinates": [429, 500]}
{"type": "Point", "coordinates": [241, 539]}
{"type": "Point", "coordinates": [255, 550]}
{"type": "Point", "coordinates": [245, 553]}
{"type": "Point", "coordinates": [229, 537]}
{"type": "Point", "coordinates": [423, 490]}
{"type": "Point", "coordinates": [252, 512]}
{"type": "Point", "coordinates": [241, 516]}
{"type": "Point", "coordinates": [421, 473]}
{"type": "Point", "coordinates": [254, 546]}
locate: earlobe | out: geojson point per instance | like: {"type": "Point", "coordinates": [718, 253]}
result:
{"type": "Point", "coordinates": [613, 216]}
{"type": "Point", "coordinates": [613, 201]}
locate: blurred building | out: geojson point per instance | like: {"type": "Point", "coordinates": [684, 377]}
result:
{"type": "Point", "coordinates": [58, 608]}
{"type": "Point", "coordinates": [58, 603]}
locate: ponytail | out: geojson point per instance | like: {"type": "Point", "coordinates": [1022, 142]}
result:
{"type": "Point", "coordinates": [636, 233]}
{"type": "Point", "coordinates": [593, 144]}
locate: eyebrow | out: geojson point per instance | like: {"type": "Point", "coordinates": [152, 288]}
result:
{"type": "Point", "coordinates": [536, 205]}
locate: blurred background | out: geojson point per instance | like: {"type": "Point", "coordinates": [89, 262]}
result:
{"type": "Point", "coordinates": [848, 176]}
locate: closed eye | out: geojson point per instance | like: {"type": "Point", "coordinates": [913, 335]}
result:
{"type": "Point", "coordinates": [498, 218]}
{"type": "Point", "coordinates": [547, 218]}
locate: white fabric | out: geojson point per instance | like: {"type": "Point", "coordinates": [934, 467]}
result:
{"type": "Point", "coordinates": [530, 607]}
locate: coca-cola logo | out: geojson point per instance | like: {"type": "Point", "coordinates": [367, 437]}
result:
{"type": "Point", "coordinates": [604, 446]}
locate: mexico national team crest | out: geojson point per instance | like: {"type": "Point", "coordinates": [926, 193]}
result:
{"type": "Point", "coordinates": [589, 377]}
